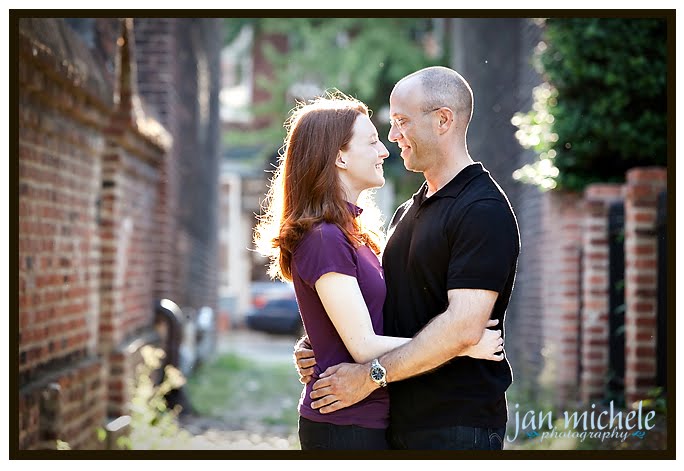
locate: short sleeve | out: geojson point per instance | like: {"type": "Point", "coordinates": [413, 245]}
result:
{"type": "Point", "coordinates": [484, 247]}
{"type": "Point", "coordinates": [324, 249]}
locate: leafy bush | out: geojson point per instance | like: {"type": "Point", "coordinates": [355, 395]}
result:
{"type": "Point", "coordinates": [153, 425]}
{"type": "Point", "coordinates": [602, 108]}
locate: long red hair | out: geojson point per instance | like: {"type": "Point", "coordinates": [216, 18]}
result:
{"type": "Point", "coordinates": [305, 188]}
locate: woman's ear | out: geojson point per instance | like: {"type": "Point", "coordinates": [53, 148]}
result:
{"type": "Point", "coordinates": [340, 161]}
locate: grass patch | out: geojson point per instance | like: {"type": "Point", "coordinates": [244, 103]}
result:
{"type": "Point", "coordinates": [238, 391]}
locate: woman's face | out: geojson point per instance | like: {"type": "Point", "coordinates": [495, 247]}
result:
{"type": "Point", "coordinates": [360, 165]}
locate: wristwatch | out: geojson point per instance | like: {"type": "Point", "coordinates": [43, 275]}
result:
{"type": "Point", "coordinates": [378, 373]}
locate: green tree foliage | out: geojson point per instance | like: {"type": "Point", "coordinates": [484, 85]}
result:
{"type": "Point", "coordinates": [362, 57]}
{"type": "Point", "coordinates": [602, 108]}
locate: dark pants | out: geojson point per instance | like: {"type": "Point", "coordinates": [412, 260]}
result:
{"type": "Point", "coordinates": [448, 438]}
{"type": "Point", "coordinates": [324, 436]}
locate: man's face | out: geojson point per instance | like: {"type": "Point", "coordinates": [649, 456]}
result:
{"type": "Point", "coordinates": [411, 127]}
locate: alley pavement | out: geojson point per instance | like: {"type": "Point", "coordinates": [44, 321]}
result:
{"type": "Point", "coordinates": [215, 434]}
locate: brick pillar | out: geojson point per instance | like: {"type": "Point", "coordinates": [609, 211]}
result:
{"type": "Point", "coordinates": [561, 218]}
{"type": "Point", "coordinates": [157, 72]}
{"type": "Point", "coordinates": [641, 265]}
{"type": "Point", "coordinates": [134, 154]}
{"type": "Point", "coordinates": [111, 229]}
{"type": "Point", "coordinates": [595, 290]}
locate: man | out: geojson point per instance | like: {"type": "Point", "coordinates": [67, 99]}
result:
{"type": "Point", "coordinates": [449, 264]}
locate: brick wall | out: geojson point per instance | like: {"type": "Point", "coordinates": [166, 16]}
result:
{"type": "Point", "coordinates": [60, 141]}
{"type": "Point", "coordinates": [179, 77]}
{"type": "Point", "coordinates": [158, 75]}
{"type": "Point", "coordinates": [641, 191]}
{"type": "Point", "coordinates": [570, 247]}
{"type": "Point", "coordinates": [561, 250]}
{"type": "Point", "coordinates": [96, 184]}
{"type": "Point", "coordinates": [66, 404]}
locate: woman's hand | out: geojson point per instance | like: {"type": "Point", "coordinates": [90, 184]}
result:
{"type": "Point", "coordinates": [490, 346]}
{"type": "Point", "coordinates": [304, 360]}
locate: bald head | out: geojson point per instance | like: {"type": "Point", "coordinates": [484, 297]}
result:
{"type": "Point", "coordinates": [442, 86]}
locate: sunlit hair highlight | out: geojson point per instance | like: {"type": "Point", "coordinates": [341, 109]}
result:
{"type": "Point", "coordinates": [305, 188]}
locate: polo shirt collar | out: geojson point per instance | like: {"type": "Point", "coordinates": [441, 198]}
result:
{"type": "Point", "coordinates": [454, 187]}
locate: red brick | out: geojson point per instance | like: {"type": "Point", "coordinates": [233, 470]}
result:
{"type": "Point", "coordinates": [649, 174]}
{"type": "Point", "coordinates": [645, 336]}
{"type": "Point", "coordinates": [643, 307]}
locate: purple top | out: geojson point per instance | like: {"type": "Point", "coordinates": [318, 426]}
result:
{"type": "Point", "coordinates": [325, 249]}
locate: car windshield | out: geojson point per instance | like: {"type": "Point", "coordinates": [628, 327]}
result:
{"type": "Point", "coordinates": [281, 303]}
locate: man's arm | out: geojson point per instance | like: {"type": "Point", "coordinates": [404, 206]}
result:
{"type": "Point", "coordinates": [445, 337]}
{"type": "Point", "coordinates": [448, 335]}
{"type": "Point", "coordinates": [490, 347]}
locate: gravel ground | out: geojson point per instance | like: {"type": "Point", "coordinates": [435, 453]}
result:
{"type": "Point", "coordinates": [213, 434]}
{"type": "Point", "coordinates": [245, 432]}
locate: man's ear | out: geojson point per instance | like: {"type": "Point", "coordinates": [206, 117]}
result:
{"type": "Point", "coordinates": [446, 119]}
{"type": "Point", "coordinates": [340, 161]}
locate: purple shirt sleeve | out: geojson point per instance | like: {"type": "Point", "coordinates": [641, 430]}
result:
{"type": "Point", "coordinates": [324, 249]}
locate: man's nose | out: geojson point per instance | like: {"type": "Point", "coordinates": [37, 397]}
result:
{"type": "Point", "coordinates": [393, 134]}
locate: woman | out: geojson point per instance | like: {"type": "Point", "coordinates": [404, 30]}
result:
{"type": "Point", "coordinates": [321, 231]}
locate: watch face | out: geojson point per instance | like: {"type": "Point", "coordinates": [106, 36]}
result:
{"type": "Point", "coordinates": [377, 374]}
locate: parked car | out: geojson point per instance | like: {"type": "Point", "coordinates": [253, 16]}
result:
{"type": "Point", "coordinates": [277, 316]}
{"type": "Point", "coordinates": [264, 291]}
{"type": "Point", "coordinates": [274, 309]}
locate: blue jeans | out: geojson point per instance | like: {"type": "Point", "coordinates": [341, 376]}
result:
{"type": "Point", "coordinates": [324, 436]}
{"type": "Point", "coordinates": [448, 438]}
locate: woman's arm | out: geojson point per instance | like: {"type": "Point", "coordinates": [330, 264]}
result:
{"type": "Point", "coordinates": [344, 303]}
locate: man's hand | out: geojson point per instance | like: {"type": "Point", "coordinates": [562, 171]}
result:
{"type": "Point", "coordinates": [304, 360]}
{"type": "Point", "coordinates": [341, 386]}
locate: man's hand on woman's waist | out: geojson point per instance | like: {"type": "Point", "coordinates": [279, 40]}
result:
{"type": "Point", "coordinates": [341, 386]}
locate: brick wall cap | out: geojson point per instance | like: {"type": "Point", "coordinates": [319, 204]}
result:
{"type": "Point", "coordinates": [603, 191]}
{"type": "Point", "coordinates": [646, 173]}
{"type": "Point", "coordinates": [56, 46]}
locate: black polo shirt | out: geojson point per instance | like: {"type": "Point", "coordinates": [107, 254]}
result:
{"type": "Point", "coordinates": [463, 236]}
